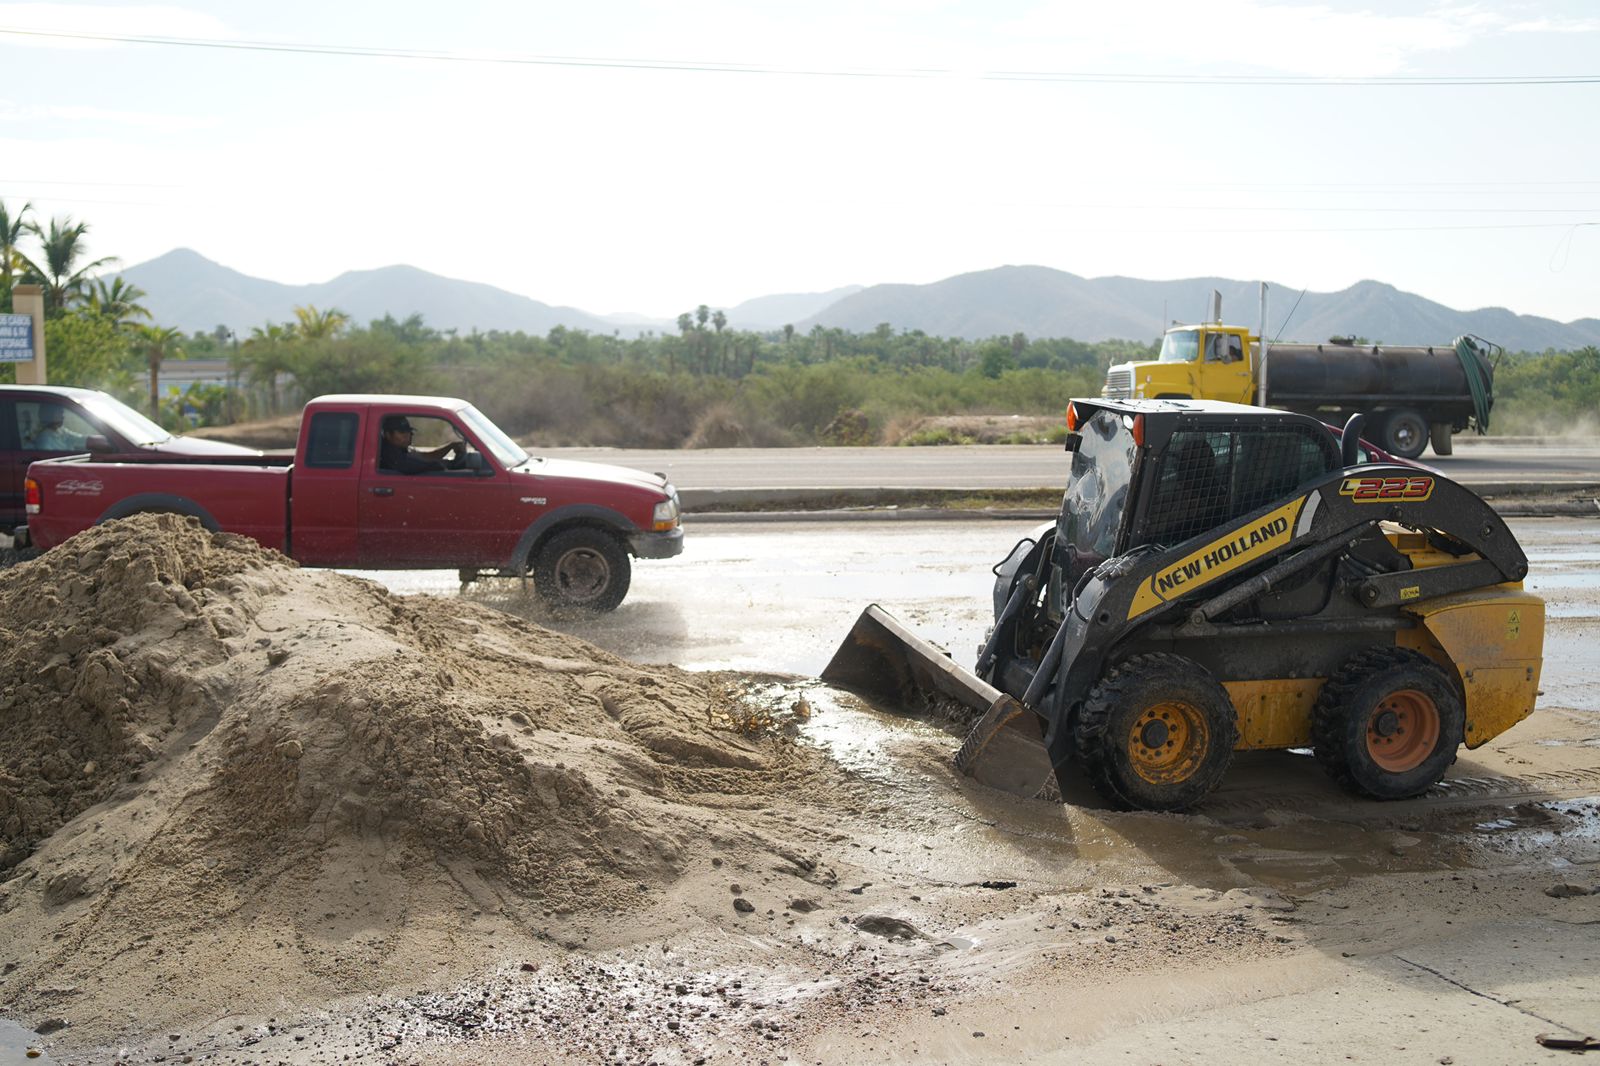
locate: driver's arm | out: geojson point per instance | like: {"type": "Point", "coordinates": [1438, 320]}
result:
{"type": "Point", "coordinates": [457, 446]}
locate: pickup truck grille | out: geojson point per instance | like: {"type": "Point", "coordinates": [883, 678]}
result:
{"type": "Point", "coordinates": [1119, 385]}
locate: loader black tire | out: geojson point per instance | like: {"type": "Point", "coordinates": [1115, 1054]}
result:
{"type": "Point", "coordinates": [1387, 724]}
{"type": "Point", "coordinates": [1156, 734]}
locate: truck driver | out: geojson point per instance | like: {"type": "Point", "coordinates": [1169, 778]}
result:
{"type": "Point", "coordinates": [398, 455]}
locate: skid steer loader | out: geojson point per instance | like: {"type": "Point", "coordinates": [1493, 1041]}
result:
{"type": "Point", "coordinates": [1222, 578]}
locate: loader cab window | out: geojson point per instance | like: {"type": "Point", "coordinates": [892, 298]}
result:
{"type": "Point", "coordinates": [1180, 346]}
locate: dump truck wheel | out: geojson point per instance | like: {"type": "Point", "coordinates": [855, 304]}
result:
{"type": "Point", "coordinates": [582, 570]}
{"type": "Point", "coordinates": [1405, 433]}
{"type": "Point", "coordinates": [1387, 724]}
{"type": "Point", "coordinates": [1156, 734]}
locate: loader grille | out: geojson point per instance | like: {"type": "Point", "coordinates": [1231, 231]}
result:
{"type": "Point", "coordinates": [1210, 478]}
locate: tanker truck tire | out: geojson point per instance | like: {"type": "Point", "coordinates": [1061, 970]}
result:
{"type": "Point", "coordinates": [1404, 433]}
{"type": "Point", "coordinates": [1442, 436]}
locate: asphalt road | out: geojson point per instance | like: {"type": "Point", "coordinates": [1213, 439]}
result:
{"type": "Point", "coordinates": [779, 598]}
{"type": "Point", "coordinates": [1515, 466]}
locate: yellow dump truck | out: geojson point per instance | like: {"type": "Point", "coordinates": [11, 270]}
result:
{"type": "Point", "coordinates": [1410, 395]}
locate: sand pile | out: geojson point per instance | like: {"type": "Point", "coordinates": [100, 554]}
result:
{"type": "Point", "coordinates": [201, 740]}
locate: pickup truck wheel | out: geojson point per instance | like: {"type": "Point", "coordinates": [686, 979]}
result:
{"type": "Point", "coordinates": [1405, 433]}
{"type": "Point", "coordinates": [582, 570]}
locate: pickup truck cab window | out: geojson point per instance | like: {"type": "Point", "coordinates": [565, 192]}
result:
{"type": "Point", "coordinates": [420, 444]}
{"type": "Point", "coordinates": [331, 442]}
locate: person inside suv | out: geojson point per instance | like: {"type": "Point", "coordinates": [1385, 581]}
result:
{"type": "Point", "coordinates": [52, 435]}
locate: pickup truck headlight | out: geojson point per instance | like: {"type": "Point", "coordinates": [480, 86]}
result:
{"type": "Point", "coordinates": [665, 516]}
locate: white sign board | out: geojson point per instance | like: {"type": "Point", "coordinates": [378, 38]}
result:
{"type": "Point", "coordinates": [16, 338]}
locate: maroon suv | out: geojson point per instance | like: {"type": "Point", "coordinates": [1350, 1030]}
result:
{"type": "Point", "coordinates": [40, 421]}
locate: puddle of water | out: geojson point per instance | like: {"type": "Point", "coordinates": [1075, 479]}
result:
{"type": "Point", "coordinates": [858, 737]}
{"type": "Point", "coordinates": [16, 1042]}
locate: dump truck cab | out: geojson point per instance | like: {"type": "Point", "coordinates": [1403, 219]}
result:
{"type": "Point", "coordinates": [1211, 361]}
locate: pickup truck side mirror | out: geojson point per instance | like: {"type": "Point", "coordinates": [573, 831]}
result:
{"type": "Point", "coordinates": [96, 444]}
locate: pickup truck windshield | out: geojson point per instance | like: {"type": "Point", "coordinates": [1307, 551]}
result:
{"type": "Point", "coordinates": [501, 446]}
{"type": "Point", "coordinates": [124, 420]}
{"type": "Point", "coordinates": [1180, 346]}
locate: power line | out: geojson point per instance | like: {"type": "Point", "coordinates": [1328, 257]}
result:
{"type": "Point", "coordinates": [1079, 77]}
{"type": "Point", "coordinates": [1346, 229]}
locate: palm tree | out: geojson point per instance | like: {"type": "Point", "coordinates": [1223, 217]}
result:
{"type": "Point", "coordinates": [271, 333]}
{"type": "Point", "coordinates": [59, 271]}
{"type": "Point", "coordinates": [157, 343]}
{"type": "Point", "coordinates": [118, 301]}
{"type": "Point", "coordinates": [11, 231]}
{"type": "Point", "coordinates": [719, 322]}
{"type": "Point", "coordinates": [315, 325]}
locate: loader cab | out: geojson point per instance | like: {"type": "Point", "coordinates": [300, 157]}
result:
{"type": "Point", "coordinates": [1159, 473]}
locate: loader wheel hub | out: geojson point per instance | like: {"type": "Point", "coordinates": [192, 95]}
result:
{"type": "Point", "coordinates": [1168, 742]}
{"type": "Point", "coordinates": [1154, 735]}
{"type": "Point", "coordinates": [1403, 730]}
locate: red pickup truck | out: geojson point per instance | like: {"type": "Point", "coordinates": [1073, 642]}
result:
{"type": "Point", "coordinates": [343, 499]}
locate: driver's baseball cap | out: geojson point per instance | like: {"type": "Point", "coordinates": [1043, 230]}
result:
{"type": "Point", "coordinates": [396, 422]}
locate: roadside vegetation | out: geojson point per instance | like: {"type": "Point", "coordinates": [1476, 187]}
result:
{"type": "Point", "coordinates": [703, 385]}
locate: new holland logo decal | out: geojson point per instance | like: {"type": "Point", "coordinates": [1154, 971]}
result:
{"type": "Point", "coordinates": [1243, 545]}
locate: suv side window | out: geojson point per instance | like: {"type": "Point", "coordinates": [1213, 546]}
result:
{"type": "Point", "coordinates": [51, 426]}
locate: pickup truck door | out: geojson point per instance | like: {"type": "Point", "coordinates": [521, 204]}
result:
{"type": "Point", "coordinates": [323, 512]}
{"type": "Point", "coordinates": [448, 520]}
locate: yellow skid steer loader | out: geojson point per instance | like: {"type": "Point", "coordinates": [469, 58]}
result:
{"type": "Point", "coordinates": [1223, 578]}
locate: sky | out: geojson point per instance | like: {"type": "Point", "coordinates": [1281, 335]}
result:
{"type": "Point", "coordinates": [650, 156]}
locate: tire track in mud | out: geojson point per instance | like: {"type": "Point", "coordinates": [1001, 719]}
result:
{"type": "Point", "coordinates": [1577, 783]}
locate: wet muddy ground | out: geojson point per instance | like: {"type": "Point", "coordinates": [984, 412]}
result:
{"type": "Point", "coordinates": [911, 916]}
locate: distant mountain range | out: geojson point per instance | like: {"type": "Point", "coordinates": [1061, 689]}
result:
{"type": "Point", "coordinates": [187, 290]}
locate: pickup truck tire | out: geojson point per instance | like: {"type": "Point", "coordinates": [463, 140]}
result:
{"type": "Point", "coordinates": [1405, 433]}
{"type": "Point", "coordinates": [582, 569]}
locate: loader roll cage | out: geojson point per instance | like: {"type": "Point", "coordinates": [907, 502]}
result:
{"type": "Point", "coordinates": [1188, 468]}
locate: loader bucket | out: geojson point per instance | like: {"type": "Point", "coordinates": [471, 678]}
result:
{"type": "Point", "coordinates": [882, 659]}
